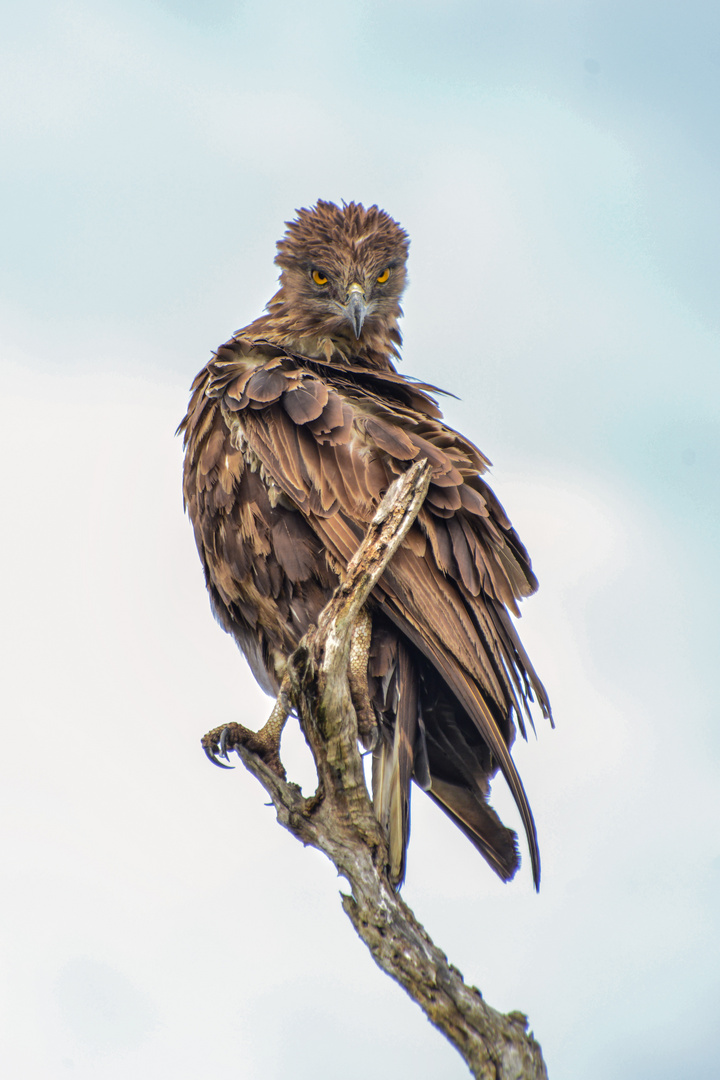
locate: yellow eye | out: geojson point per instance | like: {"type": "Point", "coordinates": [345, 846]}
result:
{"type": "Point", "coordinates": [384, 276]}
{"type": "Point", "coordinates": [319, 278]}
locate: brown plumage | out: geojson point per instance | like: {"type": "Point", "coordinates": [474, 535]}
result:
{"type": "Point", "coordinates": [295, 429]}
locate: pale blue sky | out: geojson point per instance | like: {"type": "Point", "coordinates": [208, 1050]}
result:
{"type": "Point", "coordinates": [556, 165]}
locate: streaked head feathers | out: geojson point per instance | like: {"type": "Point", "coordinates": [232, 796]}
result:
{"type": "Point", "coordinates": [343, 274]}
{"type": "Point", "coordinates": [330, 236]}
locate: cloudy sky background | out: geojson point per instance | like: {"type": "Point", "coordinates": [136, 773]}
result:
{"type": "Point", "coordinates": [556, 165]}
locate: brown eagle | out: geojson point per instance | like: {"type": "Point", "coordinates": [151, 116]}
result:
{"type": "Point", "coordinates": [295, 429]}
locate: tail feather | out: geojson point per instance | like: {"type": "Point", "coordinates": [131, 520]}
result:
{"type": "Point", "coordinates": [393, 767]}
{"type": "Point", "coordinates": [469, 811]}
{"type": "Point", "coordinates": [471, 700]}
{"type": "Point", "coordinates": [432, 745]}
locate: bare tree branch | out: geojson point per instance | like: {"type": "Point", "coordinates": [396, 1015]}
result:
{"type": "Point", "coordinates": [339, 818]}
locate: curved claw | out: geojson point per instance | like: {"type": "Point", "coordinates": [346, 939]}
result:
{"type": "Point", "coordinates": [210, 754]}
{"type": "Point", "coordinates": [223, 746]}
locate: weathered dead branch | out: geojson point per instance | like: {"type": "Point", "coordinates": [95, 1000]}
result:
{"type": "Point", "coordinates": [339, 819]}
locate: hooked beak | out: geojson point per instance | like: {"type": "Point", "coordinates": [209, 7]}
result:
{"type": "Point", "coordinates": [356, 308]}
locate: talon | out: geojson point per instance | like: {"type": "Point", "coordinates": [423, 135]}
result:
{"type": "Point", "coordinates": [210, 754]}
{"type": "Point", "coordinates": [214, 741]}
{"type": "Point", "coordinates": [368, 731]}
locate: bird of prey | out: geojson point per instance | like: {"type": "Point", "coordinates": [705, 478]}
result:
{"type": "Point", "coordinates": [295, 429]}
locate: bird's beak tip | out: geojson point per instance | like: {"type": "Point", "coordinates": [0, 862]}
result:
{"type": "Point", "coordinates": [356, 308]}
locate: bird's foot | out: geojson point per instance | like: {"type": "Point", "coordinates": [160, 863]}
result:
{"type": "Point", "coordinates": [368, 730]}
{"type": "Point", "coordinates": [264, 743]}
{"type": "Point", "coordinates": [357, 678]}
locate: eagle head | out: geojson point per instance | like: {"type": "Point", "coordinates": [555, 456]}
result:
{"type": "Point", "coordinates": [343, 274]}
